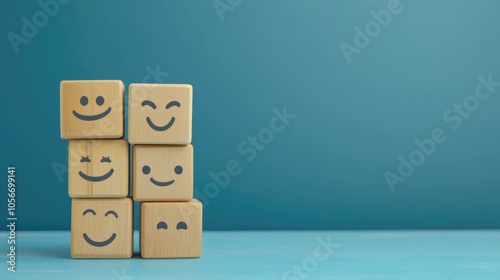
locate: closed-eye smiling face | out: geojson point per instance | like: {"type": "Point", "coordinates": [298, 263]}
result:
{"type": "Point", "coordinates": [96, 178]}
{"type": "Point", "coordinates": [84, 101]}
{"type": "Point", "coordinates": [167, 125]}
{"type": "Point", "coordinates": [98, 168]}
{"type": "Point", "coordinates": [106, 242]}
{"type": "Point", "coordinates": [160, 114]}
{"type": "Point", "coordinates": [146, 170]}
{"type": "Point", "coordinates": [102, 227]}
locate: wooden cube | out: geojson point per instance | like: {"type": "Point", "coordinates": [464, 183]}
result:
{"type": "Point", "coordinates": [162, 173]}
{"type": "Point", "coordinates": [98, 168]}
{"type": "Point", "coordinates": [102, 228]}
{"type": "Point", "coordinates": [160, 114]}
{"type": "Point", "coordinates": [171, 229]}
{"type": "Point", "coordinates": [91, 109]}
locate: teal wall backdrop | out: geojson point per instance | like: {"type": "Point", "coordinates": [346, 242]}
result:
{"type": "Point", "coordinates": [367, 82]}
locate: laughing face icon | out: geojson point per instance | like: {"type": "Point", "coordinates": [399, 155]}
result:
{"type": "Point", "coordinates": [96, 178]}
{"type": "Point", "coordinates": [98, 168]}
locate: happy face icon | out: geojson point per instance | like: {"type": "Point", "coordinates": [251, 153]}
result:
{"type": "Point", "coordinates": [98, 168]}
{"type": "Point", "coordinates": [101, 228]}
{"type": "Point", "coordinates": [152, 105]}
{"type": "Point", "coordinates": [96, 178]}
{"type": "Point", "coordinates": [162, 173]}
{"type": "Point", "coordinates": [91, 109]}
{"type": "Point", "coordinates": [105, 242]}
{"type": "Point", "coordinates": [146, 170]}
{"type": "Point", "coordinates": [160, 114]}
{"type": "Point", "coordinates": [84, 101]}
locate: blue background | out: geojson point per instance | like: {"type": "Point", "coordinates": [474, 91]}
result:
{"type": "Point", "coordinates": [353, 120]}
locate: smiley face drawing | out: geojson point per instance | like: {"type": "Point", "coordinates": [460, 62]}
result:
{"type": "Point", "coordinates": [84, 101]}
{"type": "Point", "coordinates": [92, 109]}
{"type": "Point", "coordinates": [101, 228]}
{"type": "Point", "coordinates": [96, 178]}
{"type": "Point", "coordinates": [98, 168]}
{"type": "Point", "coordinates": [160, 114]}
{"type": "Point", "coordinates": [99, 243]}
{"type": "Point", "coordinates": [171, 230]}
{"type": "Point", "coordinates": [152, 105]}
{"type": "Point", "coordinates": [162, 173]}
{"type": "Point", "coordinates": [146, 170]}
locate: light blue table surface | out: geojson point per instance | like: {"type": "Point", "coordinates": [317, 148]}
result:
{"type": "Point", "coordinates": [452, 255]}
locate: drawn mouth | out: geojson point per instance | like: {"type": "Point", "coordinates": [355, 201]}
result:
{"type": "Point", "coordinates": [97, 243]}
{"type": "Point", "coordinates": [161, 184]}
{"type": "Point", "coordinates": [160, 128]}
{"type": "Point", "coordinates": [96, 178]}
{"type": "Point", "coordinates": [93, 117]}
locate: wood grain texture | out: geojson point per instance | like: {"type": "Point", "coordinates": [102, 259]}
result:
{"type": "Point", "coordinates": [91, 109]}
{"type": "Point", "coordinates": [162, 173]}
{"type": "Point", "coordinates": [102, 228]}
{"type": "Point", "coordinates": [98, 168]}
{"type": "Point", "coordinates": [160, 114]}
{"type": "Point", "coordinates": [171, 229]}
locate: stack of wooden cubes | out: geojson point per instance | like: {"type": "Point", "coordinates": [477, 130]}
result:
{"type": "Point", "coordinates": [160, 124]}
{"type": "Point", "coordinates": [92, 118]}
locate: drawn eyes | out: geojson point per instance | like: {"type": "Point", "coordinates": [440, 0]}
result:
{"type": "Point", "coordinates": [148, 103]}
{"type": "Point", "coordinates": [84, 100]}
{"type": "Point", "coordinates": [146, 169]}
{"type": "Point", "coordinates": [87, 159]}
{"type": "Point", "coordinates": [88, 211]}
{"type": "Point", "coordinates": [153, 105]}
{"type": "Point", "coordinates": [106, 159]}
{"type": "Point", "coordinates": [173, 103]}
{"type": "Point", "coordinates": [161, 225]}
{"type": "Point", "coordinates": [180, 225]}
{"type": "Point", "coordinates": [110, 212]}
